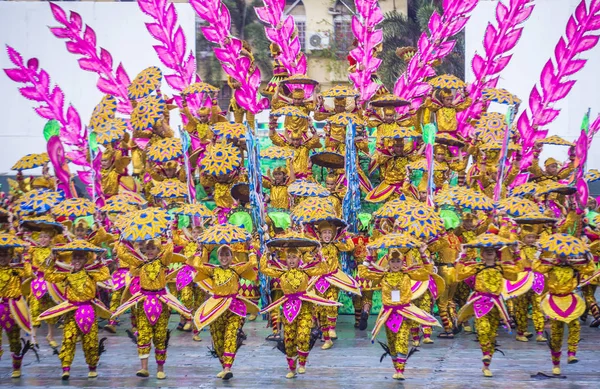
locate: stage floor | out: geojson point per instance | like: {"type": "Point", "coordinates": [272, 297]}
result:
{"type": "Point", "coordinates": [352, 363]}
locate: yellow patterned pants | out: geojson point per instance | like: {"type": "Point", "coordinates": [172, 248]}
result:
{"type": "Point", "coordinates": [424, 302]}
{"type": "Point", "coordinates": [14, 339]}
{"type": "Point", "coordinates": [589, 292]}
{"type": "Point", "coordinates": [487, 330]}
{"type": "Point", "coordinates": [359, 302]}
{"type": "Point", "coordinates": [522, 304]}
{"type": "Point", "coordinates": [445, 302]}
{"type": "Point", "coordinates": [275, 314]}
{"type": "Point", "coordinates": [89, 343]}
{"type": "Point", "coordinates": [238, 116]}
{"type": "Point", "coordinates": [296, 336]}
{"type": "Point", "coordinates": [37, 307]}
{"type": "Point", "coordinates": [327, 316]}
{"type": "Point", "coordinates": [224, 332]}
{"type": "Point", "coordinates": [557, 329]}
{"type": "Point", "coordinates": [157, 334]}
{"type": "Point", "coordinates": [398, 344]}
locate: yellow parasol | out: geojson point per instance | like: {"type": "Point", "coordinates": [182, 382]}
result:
{"type": "Point", "coordinates": [10, 241]}
{"type": "Point", "coordinates": [516, 206]}
{"type": "Point", "coordinates": [118, 206]}
{"type": "Point", "coordinates": [31, 161]}
{"type": "Point", "coordinates": [394, 240]}
{"type": "Point", "coordinates": [491, 127]}
{"type": "Point", "coordinates": [475, 201]}
{"type": "Point", "coordinates": [169, 189]}
{"type": "Point", "coordinates": [145, 83]}
{"type": "Point", "coordinates": [164, 150]}
{"type": "Point", "coordinates": [223, 234]}
{"type": "Point", "coordinates": [490, 240]}
{"type": "Point", "coordinates": [304, 188]}
{"type": "Point", "coordinates": [130, 198]}
{"type": "Point", "coordinates": [194, 210]}
{"type": "Point", "coordinates": [74, 208]}
{"type": "Point", "coordinates": [200, 87]}
{"type": "Point", "coordinates": [554, 140]}
{"type": "Point", "coordinates": [103, 111]}
{"type": "Point", "coordinates": [311, 209]}
{"type": "Point", "coordinates": [147, 113]}
{"type": "Point", "coordinates": [146, 224]}
{"type": "Point", "coordinates": [394, 209]}
{"type": "Point", "coordinates": [229, 130]}
{"type": "Point", "coordinates": [221, 159]}
{"type": "Point", "coordinates": [110, 130]}
{"type": "Point", "coordinates": [500, 96]}
{"type": "Point", "coordinates": [421, 220]}
{"type": "Point", "coordinates": [592, 175]}
{"type": "Point", "coordinates": [276, 152]}
{"type": "Point", "coordinates": [289, 111]}
{"type": "Point", "coordinates": [448, 81]}
{"type": "Point", "coordinates": [525, 189]}
{"type": "Point", "coordinates": [341, 91]}
{"type": "Point", "coordinates": [401, 132]}
{"type": "Point", "coordinates": [299, 79]}
{"type": "Point", "coordinates": [344, 118]}
{"type": "Point", "coordinates": [563, 245]}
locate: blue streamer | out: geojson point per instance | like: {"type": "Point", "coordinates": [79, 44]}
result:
{"type": "Point", "coordinates": [351, 203]}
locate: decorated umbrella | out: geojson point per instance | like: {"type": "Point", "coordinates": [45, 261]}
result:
{"type": "Point", "coordinates": [118, 206]}
{"type": "Point", "coordinates": [394, 209]}
{"type": "Point", "coordinates": [491, 127]}
{"type": "Point", "coordinates": [200, 87]}
{"type": "Point", "coordinates": [146, 224]}
{"type": "Point", "coordinates": [556, 187]}
{"type": "Point", "coordinates": [341, 91]}
{"type": "Point", "coordinates": [448, 195]}
{"type": "Point", "coordinates": [490, 240]}
{"type": "Point", "coordinates": [110, 130]}
{"type": "Point", "coordinates": [122, 220]}
{"type": "Point", "coordinates": [165, 150]}
{"type": "Point", "coordinates": [498, 146]}
{"type": "Point", "coordinates": [448, 81]}
{"type": "Point", "coordinates": [39, 201]}
{"type": "Point", "coordinates": [74, 208]}
{"type": "Point", "coordinates": [563, 245]}
{"type": "Point", "coordinates": [328, 160]}
{"type": "Point", "coordinates": [229, 130]}
{"type": "Point", "coordinates": [292, 239]}
{"type": "Point", "coordinates": [592, 175]}
{"type": "Point", "coordinates": [299, 79]}
{"type": "Point", "coordinates": [555, 140]}
{"type": "Point", "coordinates": [535, 218]}
{"type": "Point", "coordinates": [145, 83]}
{"type": "Point", "coordinates": [526, 189]}
{"type": "Point", "coordinates": [276, 152]}
{"type": "Point", "coordinates": [344, 118]}
{"type": "Point", "coordinates": [194, 210]}
{"type": "Point", "coordinates": [41, 223]}
{"type": "Point", "coordinates": [223, 234]}
{"type": "Point", "coordinates": [10, 241]}
{"type": "Point", "coordinates": [401, 132]}
{"type": "Point", "coordinates": [31, 161]}
{"type": "Point", "coordinates": [130, 198]}
{"type": "Point", "coordinates": [79, 245]}
{"type": "Point", "coordinates": [500, 96]}
{"type": "Point", "coordinates": [394, 240]}
{"type": "Point", "coordinates": [289, 111]}
{"type": "Point", "coordinates": [334, 221]}
{"type": "Point", "coordinates": [147, 113]}
{"type": "Point", "coordinates": [421, 221]}
{"type": "Point", "coordinates": [307, 189]}
{"type": "Point", "coordinates": [311, 209]}
{"type": "Point", "coordinates": [221, 159]}
{"type": "Point", "coordinates": [516, 206]}
{"type": "Point", "coordinates": [169, 189]}
{"type": "Point", "coordinates": [447, 139]}
{"type": "Point", "coordinates": [475, 201]}
{"type": "Point", "coordinates": [421, 164]}
{"type": "Point", "coordinates": [389, 100]}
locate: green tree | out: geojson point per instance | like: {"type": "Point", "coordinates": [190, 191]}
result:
{"type": "Point", "coordinates": [401, 30]}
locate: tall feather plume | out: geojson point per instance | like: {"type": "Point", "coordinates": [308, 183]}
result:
{"type": "Point", "coordinates": [498, 41]}
{"type": "Point", "coordinates": [81, 40]}
{"type": "Point", "coordinates": [432, 46]}
{"type": "Point", "coordinates": [234, 64]}
{"type": "Point", "coordinates": [368, 16]}
{"type": "Point", "coordinates": [51, 106]}
{"type": "Point", "coordinates": [279, 29]}
{"type": "Point", "coordinates": [172, 50]}
{"type": "Point", "coordinates": [555, 84]}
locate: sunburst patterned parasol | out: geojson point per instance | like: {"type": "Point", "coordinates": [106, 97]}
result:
{"type": "Point", "coordinates": [276, 152]}
{"type": "Point", "coordinates": [289, 111]}
{"type": "Point", "coordinates": [223, 234]}
{"type": "Point", "coordinates": [498, 146]}
{"type": "Point", "coordinates": [389, 100]}
{"type": "Point", "coordinates": [556, 187]}
{"type": "Point", "coordinates": [41, 223]}
{"type": "Point", "coordinates": [592, 175]}
{"type": "Point", "coordinates": [449, 81]}
{"type": "Point", "coordinates": [344, 118]}
{"type": "Point", "coordinates": [490, 240]}
{"type": "Point", "coordinates": [490, 127]}
{"type": "Point", "coordinates": [341, 91]}
{"type": "Point", "coordinates": [130, 198]}
{"type": "Point", "coordinates": [165, 150]}
{"type": "Point", "coordinates": [421, 220]}
{"type": "Point", "coordinates": [147, 113]}
{"type": "Point", "coordinates": [554, 140]}
{"type": "Point", "coordinates": [421, 164]}
{"type": "Point", "coordinates": [307, 189]}
{"type": "Point", "coordinates": [31, 161]}
{"type": "Point", "coordinates": [106, 107]}
{"type": "Point", "coordinates": [194, 210]}
{"type": "Point", "coordinates": [500, 96]}
{"type": "Point", "coordinates": [200, 87]}
{"type": "Point", "coordinates": [10, 241]}
{"type": "Point", "coordinates": [475, 201]}
{"type": "Point", "coordinates": [394, 240]}
{"type": "Point", "coordinates": [110, 130]}
{"type": "Point", "coordinates": [516, 206]}
{"type": "Point", "coordinates": [401, 132]}
{"type": "Point", "coordinates": [145, 83]}
{"type": "Point", "coordinates": [394, 209]}
{"type": "Point", "coordinates": [146, 224]}
{"type": "Point", "coordinates": [74, 208]}
{"type": "Point", "coordinates": [79, 245]}
{"type": "Point", "coordinates": [563, 245]}
{"type": "Point", "coordinates": [169, 189]}
{"type": "Point", "coordinates": [221, 159]}
{"type": "Point", "coordinates": [39, 201]}
{"type": "Point", "coordinates": [118, 206]}
{"type": "Point", "coordinates": [525, 189]}
{"type": "Point", "coordinates": [448, 195]}
{"type": "Point", "coordinates": [229, 130]}
{"type": "Point", "coordinates": [311, 209]}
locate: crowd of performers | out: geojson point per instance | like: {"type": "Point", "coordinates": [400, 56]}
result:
{"type": "Point", "coordinates": [154, 248]}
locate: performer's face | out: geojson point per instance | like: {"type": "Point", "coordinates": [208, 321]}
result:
{"type": "Point", "coordinates": [395, 263]}
{"type": "Point", "coordinates": [106, 163]}
{"type": "Point", "coordinates": [80, 232]}
{"type": "Point", "coordinates": [78, 260]}
{"type": "Point", "coordinates": [293, 260]}
{"type": "Point", "coordinates": [327, 235]}
{"type": "Point", "coordinates": [440, 157]}
{"type": "Point", "coordinates": [530, 239]}
{"type": "Point", "coordinates": [398, 148]}
{"type": "Point", "coordinates": [44, 239]}
{"type": "Point", "coordinates": [552, 169]}
{"type": "Point", "coordinates": [591, 203]}
{"type": "Point", "coordinates": [330, 184]}
{"type": "Point", "coordinates": [468, 224]}
{"type": "Point", "coordinates": [296, 142]}
{"type": "Point", "coordinates": [488, 255]}
{"type": "Point", "coordinates": [225, 257]}
{"type": "Point", "coordinates": [152, 251]}
{"type": "Point", "coordinates": [447, 100]}
{"type": "Point", "coordinates": [170, 172]}
{"type": "Point", "coordinates": [279, 177]}
{"type": "Point", "coordinates": [4, 256]}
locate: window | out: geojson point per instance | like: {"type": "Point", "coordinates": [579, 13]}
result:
{"type": "Point", "coordinates": [301, 25]}
{"type": "Point", "coordinates": [342, 26]}
{"type": "Point", "coordinates": [296, 9]}
{"type": "Point", "coordinates": [224, 97]}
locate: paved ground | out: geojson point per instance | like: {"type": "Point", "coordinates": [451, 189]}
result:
{"type": "Point", "coordinates": [352, 363]}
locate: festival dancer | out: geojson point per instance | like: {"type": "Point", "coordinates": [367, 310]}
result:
{"type": "Point", "coordinates": [301, 148]}
{"type": "Point", "coordinates": [81, 309]}
{"type": "Point", "coordinates": [225, 310]}
{"type": "Point", "coordinates": [363, 303]}
{"type": "Point", "coordinates": [486, 302]}
{"type": "Point", "coordinates": [334, 240]}
{"type": "Point", "coordinates": [443, 107]}
{"type": "Point", "coordinates": [14, 317]}
{"type": "Point", "coordinates": [397, 312]}
{"type": "Point", "coordinates": [152, 300]}
{"type": "Point", "coordinates": [278, 184]}
{"type": "Point", "coordinates": [294, 276]}
{"type": "Point", "coordinates": [114, 167]}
